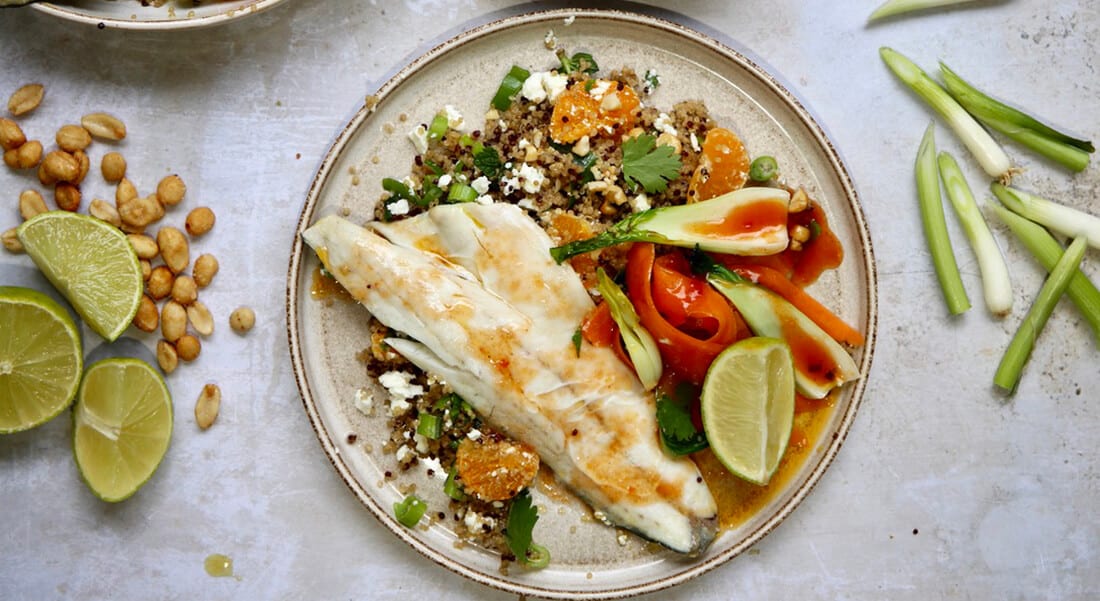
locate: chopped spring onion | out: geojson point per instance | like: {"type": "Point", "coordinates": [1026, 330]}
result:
{"type": "Point", "coordinates": [995, 281]}
{"type": "Point", "coordinates": [1064, 220]}
{"type": "Point", "coordinates": [892, 8]}
{"type": "Point", "coordinates": [763, 169]}
{"type": "Point", "coordinates": [460, 192]}
{"type": "Point", "coordinates": [409, 510]}
{"type": "Point", "coordinates": [509, 87]}
{"type": "Point", "coordinates": [452, 488]}
{"type": "Point", "coordinates": [639, 344]}
{"type": "Point", "coordinates": [430, 426]}
{"type": "Point", "coordinates": [935, 227]}
{"type": "Point", "coordinates": [399, 190]}
{"type": "Point", "coordinates": [1068, 151]}
{"type": "Point", "coordinates": [1047, 250]}
{"type": "Point", "coordinates": [1016, 355]}
{"type": "Point", "coordinates": [984, 148]}
{"type": "Point", "coordinates": [438, 127]}
{"type": "Point", "coordinates": [703, 224]}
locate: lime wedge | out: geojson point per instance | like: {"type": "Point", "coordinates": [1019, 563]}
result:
{"type": "Point", "coordinates": [40, 359]}
{"type": "Point", "coordinates": [122, 423]}
{"type": "Point", "coordinates": [91, 263]}
{"type": "Point", "coordinates": [748, 406]}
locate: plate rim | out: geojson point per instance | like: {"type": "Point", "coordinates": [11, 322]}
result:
{"type": "Point", "coordinates": [69, 13]}
{"type": "Point", "coordinates": [663, 21]}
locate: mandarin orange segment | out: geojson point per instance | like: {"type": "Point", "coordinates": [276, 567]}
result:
{"type": "Point", "coordinates": [495, 469]}
{"type": "Point", "coordinates": [723, 166]}
{"type": "Point", "coordinates": [577, 113]}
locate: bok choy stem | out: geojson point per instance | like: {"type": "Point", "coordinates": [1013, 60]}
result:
{"type": "Point", "coordinates": [935, 227]}
{"type": "Point", "coordinates": [995, 280]}
{"type": "Point", "coordinates": [984, 148]}
{"type": "Point", "coordinates": [1018, 351]}
{"type": "Point", "coordinates": [1047, 251]}
{"type": "Point", "coordinates": [1058, 217]}
{"type": "Point", "coordinates": [639, 344]}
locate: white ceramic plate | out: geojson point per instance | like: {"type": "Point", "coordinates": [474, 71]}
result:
{"type": "Point", "coordinates": [588, 558]}
{"type": "Point", "coordinates": [174, 14]}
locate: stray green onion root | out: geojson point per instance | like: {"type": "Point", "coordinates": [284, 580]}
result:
{"type": "Point", "coordinates": [1018, 351]}
{"type": "Point", "coordinates": [935, 227]}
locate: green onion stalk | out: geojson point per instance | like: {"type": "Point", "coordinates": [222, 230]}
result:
{"type": "Point", "coordinates": [893, 8]}
{"type": "Point", "coordinates": [1059, 218]}
{"type": "Point", "coordinates": [935, 227]}
{"type": "Point", "coordinates": [1018, 351]}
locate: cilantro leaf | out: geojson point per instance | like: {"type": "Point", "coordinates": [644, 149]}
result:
{"type": "Point", "coordinates": [521, 522]}
{"type": "Point", "coordinates": [650, 166]}
{"type": "Point", "coordinates": [677, 432]}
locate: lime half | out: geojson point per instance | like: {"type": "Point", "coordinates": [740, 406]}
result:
{"type": "Point", "coordinates": [122, 423]}
{"type": "Point", "coordinates": [40, 359]}
{"type": "Point", "coordinates": [91, 263]}
{"type": "Point", "coordinates": [748, 406]}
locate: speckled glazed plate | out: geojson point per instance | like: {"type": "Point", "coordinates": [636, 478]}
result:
{"type": "Point", "coordinates": [589, 560]}
{"type": "Point", "coordinates": [174, 14]}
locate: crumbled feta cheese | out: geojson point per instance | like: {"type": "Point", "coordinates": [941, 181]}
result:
{"type": "Point", "coordinates": [598, 90]}
{"type": "Point", "coordinates": [399, 407]}
{"type": "Point", "coordinates": [444, 180]}
{"type": "Point", "coordinates": [410, 182]}
{"type": "Point", "coordinates": [569, 20]}
{"type": "Point", "coordinates": [474, 521]}
{"type": "Point", "coordinates": [508, 165]}
{"type": "Point", "coordinates": [532, 87]}
{"type": "Point", "coordinates": [364, 402]}
{"type": "Point", "coordinates": [455, 120]}
{"type": "Point", "coordinates": [419, 138]}
{"type": "Point", "coordinates": [550, 40]}
{"type": "Point", "coordinates": [399, 384]}
{"type": "Point", "coordinates": [527, 204]}
{"type": "Point", "coordinates": [503, 125]}
{"type": "Point", "coordinates": [640, 203]}
{"type": "Point", "coordinates": [695, 142]}
{"type": "Point", "coordinates": [554, 84]}
{"type": "Point", "coordinates": [480, 185]}
{"type": "Point", "coordinates": [484, 199]}
{"type": "Point", "coordinates": [651, 80]}
{"type": "Point", "coordinates": [433, 464]}
{"type": "Point", "coordinates": [402, 453]}
{"type": "Point", "coordinates": [509, 184]}
{"type": "Point", "coordinates": [663, 124]}
{"type": "Point", "coordinates": [523, 143]}
{"type": "Point", "coordinates": [399, 207]}
{"type": "Point", "coordinates": [421, 443]}
{"type": "Point", "coordinates": [474, 434]}
{"type": "Point", "coordinates": [531, 177]}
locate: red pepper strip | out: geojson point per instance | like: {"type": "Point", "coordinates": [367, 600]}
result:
{"type": "Point", "coordinates": [682, 352]}
{"type": "Point", "coordinates": [818, 313]}
{"type": "Point", "coordinates": [600, 329]}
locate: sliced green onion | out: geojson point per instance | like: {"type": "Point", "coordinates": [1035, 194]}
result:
{"type": "Point", "coordinates": [984, 148]}
{"type": "Point", "coordinates": [409, 510]}
{"type": "Point", "coordinates": [935, 227]}
{"type": "Point", "coordinates": [1023, 128]}
{"type": "Point", "coordinates": [892, 8]}
{"type": "Point", "coordinates": [1018, 351]}
{"type": "Point", "coordinates": [399, 190]}
{"type": "Point", "coordinates": [509, 87]}
{"type": "Point", "coordinates": [461, 193]}
{"type": "Point", "coordinates": [1047, 251]}
{"type": "Point", "coordinates": [430, 426]}
{"type": "Point", "coordinates": [1058, 217]}
{"type": "Point", "coordinates": [452, 488]}
{"type": "Point", "coordinates": [538, 556]}
{"type": "Point", "coordinates": [995, 281]}
{"type": "Point", "coordinates": [763, 169]}
{"type": "Point", "coordinates": [438, 127]}
{"type": "Point", "coordinates": [639, 344]}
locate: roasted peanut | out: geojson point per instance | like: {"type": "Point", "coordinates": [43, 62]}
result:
{"type": "Point", "coordinates": [85, 165]}
{"type": "Point", "coordinates": [11, 135]}
{"type": "Point", "coordinates": [188, 347]}
{"type": "Point", "coordinates": [67, 196]}
{"type": "Point", "coordinates": [167, 356]}
{"type": "Point", "coordinates": [125, 192]}
{"type": "Point", "coordinates": [31, 203]}
{"type": "Point", "coordinates": [206, 267]}
{"type": "Point", "coordinates": [26, 156]}
{"type": "Point", "coordinates": [141, 212]}
{"type": "Point", "coordinates": [102, 125]}
{"type": "Point", "coordinates": [173, 321]}
{"type": "Point", "coordinates": [199, 221]}
{"type": "Point", "coordinates": [667, 139]}
{"type": "Point", "coordinates": [146, 269]}
{"type": "Point", "coordinates": [200, 318]}
{"type": "Point", "coordinates": [171, 190]}
{"type": "Point", "coordinates": [26, 99]}
{"type": "Point", "coordinates": [60, 166]}
{"type": "Point", "coordinates": [800, 233]}
{"type": "Point", "coordinates": [184, 290]}
{"type": "Point", "coordinates": [242, 319]}
{"type": "Point", "coordinates": [144, 246]}
{"type": "Point", "coordinates": [146, 319]}
{"type": "Point", "coordinates": [11, 241]}
{"type": "Point", "coordinates": [113, 167]}
{"type": "Point", "coordinates": [800, 201]}
{"type": "Point", "coordinates": [160, 282]}
{"type": "Point", "coordinates": [104, 211]}
{"type": "Point", "coordinates": [208, 405]}
{"type": "Point", "coordinates": [44, 177]}
{"type": "Point", "coordinates": [173, 248]}
{"type": "Point", "coordinates": [72, 138]}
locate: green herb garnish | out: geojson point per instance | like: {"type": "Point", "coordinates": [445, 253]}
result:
{"type": "Point", "coordinates": [678, 433]}
{"type": "Point", "coordinates": [650, 166]}
{"type": "Point", "coordinates": [522, 516]}
{"type": "Point", "coordinates": [487, 160]}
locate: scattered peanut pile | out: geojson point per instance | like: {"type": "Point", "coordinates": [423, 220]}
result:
{"type": "Point", "coordinates": [171, 301]}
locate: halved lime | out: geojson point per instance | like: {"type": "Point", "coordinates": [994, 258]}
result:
{"type": "Point", "coordinates": [748, 406]}
{"type": "Point", "coordinates": [91, 263]}
{"type": "Point", "coordinates": [122, 423]}
{"type": "Point", "coordinates": [40, 359]}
